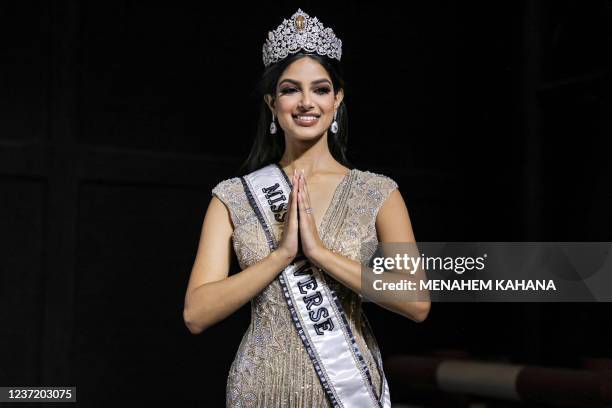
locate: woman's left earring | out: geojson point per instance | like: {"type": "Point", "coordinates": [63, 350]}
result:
{"type": "Point", "coordinates": [272, 126]}
{"type": "Point", "coordinates": [334, 125]}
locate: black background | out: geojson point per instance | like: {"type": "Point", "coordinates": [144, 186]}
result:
{"type": "Point", "coordinates": [117, 119]}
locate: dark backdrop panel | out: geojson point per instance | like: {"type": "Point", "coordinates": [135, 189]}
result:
{"type": "Point", "coordinates": [21, 279]}
{"type": "Point", "coordinates": [138, 88]}
{"type": "Point", "coordinates": [25, 74]}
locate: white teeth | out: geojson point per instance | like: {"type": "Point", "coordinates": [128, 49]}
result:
{"type": "Point", "coordinates": [307, 117]}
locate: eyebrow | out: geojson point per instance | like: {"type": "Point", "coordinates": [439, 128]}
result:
{"type": "Point", "coordinates": [293, 81]}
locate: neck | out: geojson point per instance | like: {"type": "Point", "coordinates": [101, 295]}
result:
{"type": "Point", "coordinates": [310, 156]}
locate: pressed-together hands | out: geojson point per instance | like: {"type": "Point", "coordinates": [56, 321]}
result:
{"type": "Point", "coordinates": [289, 243]}
{"type": "Point", "coordinates": [300, 227]}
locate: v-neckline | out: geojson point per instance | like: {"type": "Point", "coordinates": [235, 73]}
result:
{"type": "Point", "coordinates": [331, 204]}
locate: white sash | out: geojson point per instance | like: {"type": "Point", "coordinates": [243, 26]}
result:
{"type": "Point", "coordinates": [316, 311]}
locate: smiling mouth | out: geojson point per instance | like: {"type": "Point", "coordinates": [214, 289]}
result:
{"type": "Point", "coordinates": [306, 120]}
{"type": "Point", "coordinates": [306, 117]}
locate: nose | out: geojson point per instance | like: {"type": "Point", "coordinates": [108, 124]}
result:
{"type": "Point", "coordinates": [305, 103]}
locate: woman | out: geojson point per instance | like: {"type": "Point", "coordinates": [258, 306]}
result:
{"type": "Point", "coordinates": [298, 221]}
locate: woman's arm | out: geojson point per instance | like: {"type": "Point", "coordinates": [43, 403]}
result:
{"type": "Point", "coordinates": [212, 295]}
{"type": "Point", "coordinates": [392, 225]}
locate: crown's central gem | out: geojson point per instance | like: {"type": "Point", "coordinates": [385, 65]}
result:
{"type": "Point", "coordinates": [300, 22]}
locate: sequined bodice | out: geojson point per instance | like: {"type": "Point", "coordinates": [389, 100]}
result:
{"type": "Point", "coordinates": [272, 368]}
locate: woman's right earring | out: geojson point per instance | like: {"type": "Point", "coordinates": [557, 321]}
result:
{"type": "Point", "coordinates": [272, 126]}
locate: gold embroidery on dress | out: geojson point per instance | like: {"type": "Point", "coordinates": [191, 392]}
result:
{"type": "Point", "coordinates": [271, 368]}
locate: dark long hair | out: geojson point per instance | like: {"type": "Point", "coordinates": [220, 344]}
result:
{"type": "Point", "coordinates": [268, 148]}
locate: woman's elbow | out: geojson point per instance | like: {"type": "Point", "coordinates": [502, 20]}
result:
{"type": "Point", "coordinates": [192, 326]}
{"type": "Point", "coordinates": [421, 312]}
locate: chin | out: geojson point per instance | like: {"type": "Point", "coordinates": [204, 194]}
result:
{"type": "Point", "coordinates": [308, 134]}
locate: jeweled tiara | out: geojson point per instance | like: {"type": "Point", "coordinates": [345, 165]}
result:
{"type": "Point", "coordinates": [301, 33]}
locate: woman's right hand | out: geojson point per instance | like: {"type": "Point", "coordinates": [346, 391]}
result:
{"type": "Point", "coordinates": [289, 243]}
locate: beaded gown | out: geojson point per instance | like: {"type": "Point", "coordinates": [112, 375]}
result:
{"type": "Point", "coordinates": [271, 368]}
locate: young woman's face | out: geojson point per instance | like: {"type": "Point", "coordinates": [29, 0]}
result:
{"type": "Point", "coordinates": [305, 102]}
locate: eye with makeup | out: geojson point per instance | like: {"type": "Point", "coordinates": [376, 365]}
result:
{"type": "Point", "coordinates": [286, 91]}
{"type": "Point", "coordinates": [321, 91]}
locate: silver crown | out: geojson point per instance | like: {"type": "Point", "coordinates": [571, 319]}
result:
{"type": "Point", "coordinates": [299, 33]}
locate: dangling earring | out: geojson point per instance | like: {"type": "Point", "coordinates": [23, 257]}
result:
{"type": "Point", "coordinates": [334, 125]}
{"type": "Point", "coordinates": [272, 126]}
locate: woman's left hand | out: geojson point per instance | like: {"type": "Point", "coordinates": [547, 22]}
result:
{"type": "Point", "coordinates": [312, 246]}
